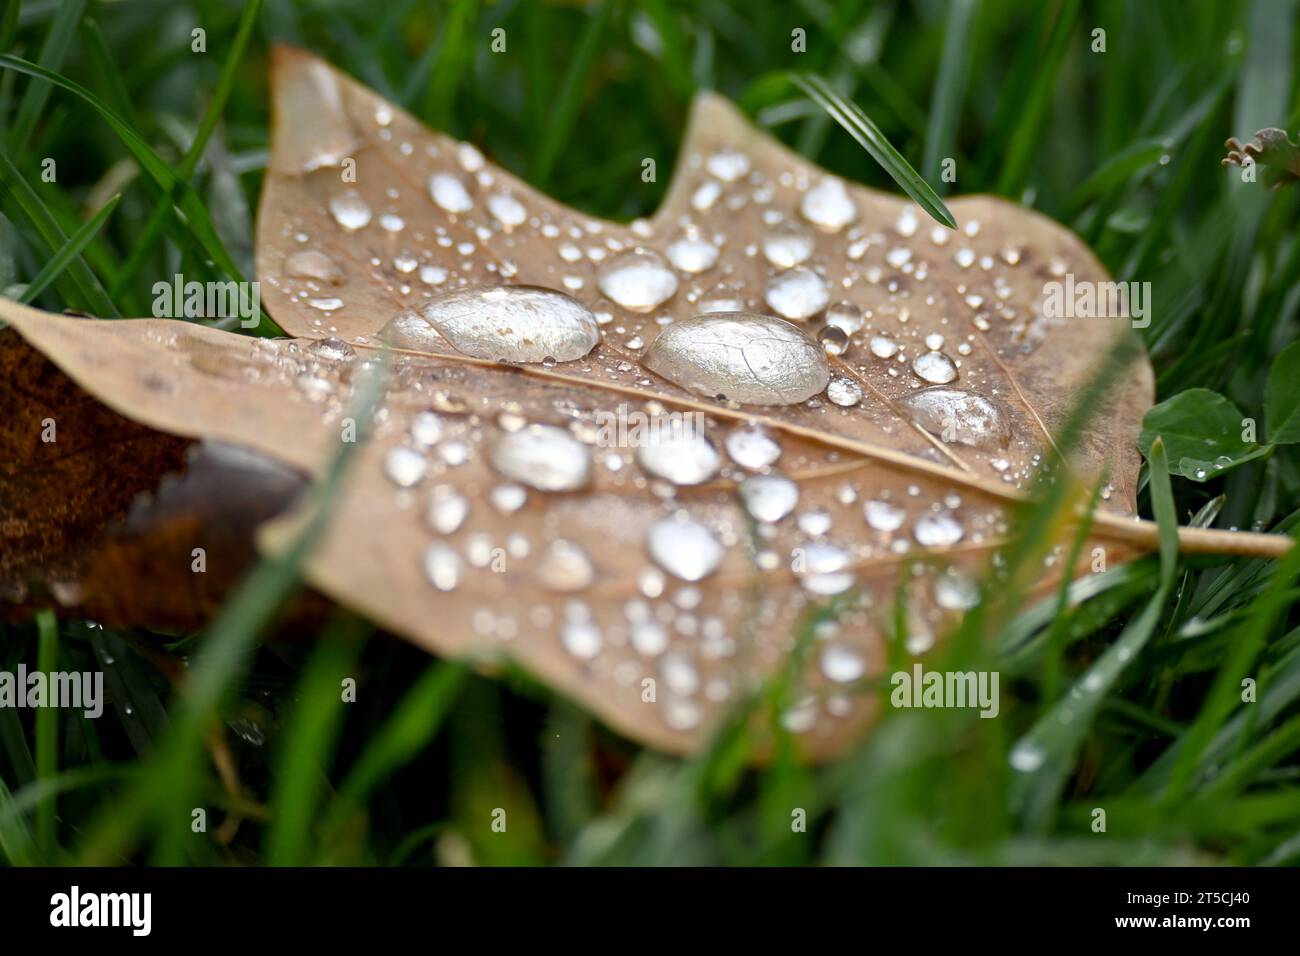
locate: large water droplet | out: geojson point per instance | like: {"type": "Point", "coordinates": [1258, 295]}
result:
{"type": "Point", "coordinates": [769, 498]}
{"type": "Point", "coordinates": [755, 359]}
{"type": "Point", "coordinates": [934, 367]}
{"type": "Point", "coordinates": [639, 280]}
{"type": "Point", "coordinates": [752, 448]}
{"type": "Point", "coordinates": [797, 293]}
{"type": "Point", "coordinates": [449, 192]}
{"type": "Point", "coordinates": [678, 451]}
{"type": "Point", "coordinates": [958, 416]}
{"type": "Point", "coordinates": [684, 548]}
{"type": "Point", "coordinates": [788, 245]}
{"type": "Point", "coordinates": [828, 206]}
{"type": "Point", "coordinates": [516, 323]}
{"type": "Point", "coordinates": [543, 457]}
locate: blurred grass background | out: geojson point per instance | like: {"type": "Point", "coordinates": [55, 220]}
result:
{"type": "Point", "coordinates": [1123, 146]}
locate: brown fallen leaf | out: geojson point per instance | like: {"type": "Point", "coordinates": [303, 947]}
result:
{"type": "Point", "coordinates": [600, 452]}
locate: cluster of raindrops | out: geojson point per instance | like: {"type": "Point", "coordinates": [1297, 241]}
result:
{"type": "Point", "coordinates": [830, 311]}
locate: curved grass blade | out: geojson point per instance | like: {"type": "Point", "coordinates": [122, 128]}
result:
{"type": "Point", "coordinates": [861, 128]}
{"type": "Point", "coordinates": [62, 30]}
{"type": "Point", "coordinates": [945, 104]}
{"type": "Point", "coordinates": [70, 251]}
{"type": "Point", "coordinates": [196, 215]}
{"type": "Point", "coordinates": [82, 289]}
{"type": "Point", "coordinates": [225, 83]}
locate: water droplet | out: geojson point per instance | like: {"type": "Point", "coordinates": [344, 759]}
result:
{"type": "Point", "coordinates": [639, 280]}
{"type": "Point", "coordinates": [797, 293]}
{"type": "Point", "coordinates": [442, 566]}
{"type": "Point", "coordinates": [404, 466]}
{"type": "Point", "coordinates": [825, 569]}
{"type": "Point", "coordinates": [842, 663]}
{"type": "Point", "coordinates": [883, 516]}
{"type": "Point", "coordinates": [516, 323]}
{"type": "Point", "coordinates": [1027, 757]}
{"type": "Point", "coordinates": [349, 210]}
{"type": "Point", "coordinates": [844, 315]}
{"type": "Point", "coordinates": [449, 192]}
{"type": "Point", "coordinates": [543, 457]}
{"type": "Point", "coordinates": [508, 498]}
{"type": "Point", "coordinates": [508, 210]}
{"type": "Point", "coordinates": [426, 428]}
{"type": "Point", "coordinates": [834, 339]}
{"type": "Point", "coordinates": [954, 415]}
{"type": "Point", "coordinates": [754, 359]}
{"type": "Point", "coordinates": [906, 225]}
{"type": "Point", "coordinates": [934, 367]}
{"type": "Point", "coordinates": [955, 591]}
{"type": "Point", "coordinates": [752, 448]}
{"type": "Point", "coordinates": [684, 548]}
{"type": "Point", "coordinates": [882, 346]}
{"type": "Point", "coordinates": [332, 349]}
{"type": "Point", "coordinates": [937, 530]}
{"type": "Point", "coordinates": [788, 245]}
{"type": "Point", "coordinates": [582, 639]}
{"type": "Point", "coordinates": [310, 264]}
{"type": "Point", "coordinates": [565, 567]}
{"type": "Point", "coordinates": [769, 498]}
{"type": "Point", "coordinates": [724, 298]}
{"type": "Point", "coordinates": [448, 509]}
{"type": "Point", "coordinates": [679, 452]}
{"type": "Point", "coordinates": [815, 523]}
{"type": "Point", "coordinates": [692, 254]}
{"type": "Point", "coordinates": [844, 392]}
{"type": "Point", "coordinates": [728, 165]}
{"type": "Point", "coordinates": [828, 206]}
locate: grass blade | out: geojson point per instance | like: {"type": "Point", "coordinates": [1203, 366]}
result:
{"type": "Point", "coordinates": [949, 87]}
{"type": "Point", "coordinates": [70, 251]}
{"type": "Point", "coordinates": [62, 30]}
{"type": "Point", "coordinates": [861, 128]}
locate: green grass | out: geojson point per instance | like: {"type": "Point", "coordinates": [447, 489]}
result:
{"type": "Point", "coordinates": [1121, 146]}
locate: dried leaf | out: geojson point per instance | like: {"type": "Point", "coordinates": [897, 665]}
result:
{"type": "Point", "coordinates": [602, 515]}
